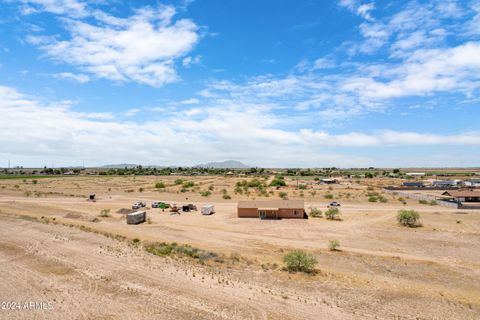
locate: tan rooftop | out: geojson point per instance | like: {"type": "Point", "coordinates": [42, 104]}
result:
{"type": "Point", "coordinates": [462, 193]}
{"type": "Point", "coordinates": [283, 204]}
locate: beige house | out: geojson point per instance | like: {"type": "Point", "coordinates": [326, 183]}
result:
{"type": "Point", "coordinates": [271, 209]}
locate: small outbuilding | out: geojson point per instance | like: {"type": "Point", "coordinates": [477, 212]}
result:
{"type": "Point", "coordinates": [271, 209]}
{"type": "Point", "coordinates": [136, 217]}
{"type": "Point", "coordinates": [413, 184]}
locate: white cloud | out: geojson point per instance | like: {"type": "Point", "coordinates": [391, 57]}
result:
{"type": "Point", "coordinates": [81, 78]}
{"type": "Point", "coordinates": [131, 112]}
{"type": "Point", "coordinates": [225, 130]}
{"type": "Point", "coordinates": [358, 7]}
{"type": "Point", "coordinates": [188, 61]}
{"type": "Point", "coordinates": [190, 101]}
{"type": "Point", "coordinates": [142, 48]}
{"type": "Point", "coordinates": [71, 7]}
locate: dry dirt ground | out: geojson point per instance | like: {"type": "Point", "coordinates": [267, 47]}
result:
{"type": "Point", "coordinates": [383, 271]}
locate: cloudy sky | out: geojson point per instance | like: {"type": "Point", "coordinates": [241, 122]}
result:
{"type": "Point", "coordinates": [293, 83]}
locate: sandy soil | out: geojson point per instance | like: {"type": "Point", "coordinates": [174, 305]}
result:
{"type": "Point", "coordinates": [383, 270]}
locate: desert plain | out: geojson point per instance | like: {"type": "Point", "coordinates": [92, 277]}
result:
{"type": "Point", "coordinates": [55, 246]}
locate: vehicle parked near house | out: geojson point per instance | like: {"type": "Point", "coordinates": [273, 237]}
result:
{"type": "Point", "coordinates": [138, 205]}
{"type": "Point", "coordinates": [160, 205]}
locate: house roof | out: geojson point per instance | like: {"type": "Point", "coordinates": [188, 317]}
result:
{"type": "Point", "coordinates": [283, 204]}
{"type": "Point", "coordinates": [462, 193]}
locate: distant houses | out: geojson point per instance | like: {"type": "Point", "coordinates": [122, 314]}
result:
{"type": "Point", "coordinates": [408, 184]}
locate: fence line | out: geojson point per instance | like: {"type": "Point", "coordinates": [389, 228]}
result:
{"type": "Point", "coordinates": [426, 197]}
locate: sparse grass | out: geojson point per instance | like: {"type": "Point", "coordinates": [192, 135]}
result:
{"type": "Point", "coordinates": [160, 185]}
{"type": "Point", "coordinates": [174, 249]}
{"type": "Point", "coordinates": [105, 213]}
{"type": "Point", "coordinates": [299, 261]}
{"type": "Point", "coordinates": [333, 245]}
{"type": "Point", "coordinates": [205, 193]}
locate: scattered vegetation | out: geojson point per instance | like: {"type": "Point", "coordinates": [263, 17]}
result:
{"type": "Point", "coordinates": [333, 245]}
{"type": "Point", "coordinates": [328, 196]}
{"type": "Point", "coordinates": [205, 193]}
{"type": "Point", "coordinates": [409, 218]}
{"type": "Point", "coordinates": [105, 213]}
{"type": "Point", "coordinates": [283, 195]}
{"type": "Point", "coordinates": [174, 249]}
{"type": "Point", "coordinates": [299, 261]}
{"type": "Point", "coordinates": [278, 181]}
{"type": "Point", "coordinates": [160, 185]}
{"type": "Point", "coordinates": [316, 213]}
{"type": "Point", "coordinates": [332, 214]}
{"type": "Point", "coordinates": [226, 197]}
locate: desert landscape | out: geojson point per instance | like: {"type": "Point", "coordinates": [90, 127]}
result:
{"type": "Point", "coordinates": [83, 258]}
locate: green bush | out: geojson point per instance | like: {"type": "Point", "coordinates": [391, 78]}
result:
{"type": "Point", "coordinates": [160, 185]}
{"type": "Point", "coordinates": [278, 181]}
{"type": "Point", "coordinates": [188, 184]}
{"type": "Point", "coordinates": [105, 213]}
{"type": "Point", "coordinates": [205, 193]}
{"type": "Point", "coordinates": [140, 189]}
{"type": "Point", "coordinates": [302, 187]}
{"type": "Point", "coordinates": [328, 196]}
{"type": "Point", "coordinates": [372, 199]}
{"type": "Point", "coordinates": [409, 218]}
{"type": "Point", "coordinates": [226, 197]}
{"type": "Point", "coordinates": [316, 213]}
{"type": "Point", "coordinates": [332, 214]}
{"type": "Point", "coordinates": [34, 181]}
{"type": "Point", "coordinates": [423, 201]}
{"type": "Point", "coordinates": [283, 195]}
{"type": "Point", "coordinates": [299, 261]}
{"type": "Point", "coordinates": [178, 181]}
{"type": "Point", "coordinates": [433, 203]}
{"type": "Point", "coordinates": [333, 245]}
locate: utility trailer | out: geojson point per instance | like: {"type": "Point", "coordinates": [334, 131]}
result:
{"type": "Point", "coordinates": [136, 217]}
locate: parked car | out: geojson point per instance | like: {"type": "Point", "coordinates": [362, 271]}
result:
{"type": "Point", "coordinates": [138, 205]}
{"type": "Point", "coordinates": [160, 204]}
{"type": "Point", "coordinates": [334, 204]}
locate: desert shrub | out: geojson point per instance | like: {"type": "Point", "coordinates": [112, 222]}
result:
{"type": "Point", "coordinates": [332, 214]}
{"type": "Point", "coordinates": [372, 199]}
{"type": "Point", "coordinates": [302, 187]}
{"type": "Point", "coordinates": [409, 218]}
{"type": "Point", "coordinates": [226, 197]}
{"type": "Point", "coordinates": [159, 185]}
{"type": "Point", "coordinates": [316, 213]}
{"type": "Point", "coordinates": [211, 187]}
{"type": "Point", "coordinates": [140, 189]}
{"type": "Point", "coordinates": [34, 181]}
{"type": "Point", "coordinates": [382, 199]}
{"type": "Point", "coordinates": [178, 181]}
{"type": "Point", "coordinates": [16, 186]}
{"type": "Point", "coordinates": [224, 191]}
{"type": "Point", "coordinates": [283, 195]}
{"type": "Point", "coordinates": [299, 261]}
{"type": "Point", "coordinates": [402, 200]}
{"type": "Point", "coordinates": [165, 249]}
{"type": "Point", "coordinates": [433, 203]}
{"type": "Point", "coordinates": [328, 196]}
{"type": "Point", "coordinates": [105, 213]}
{"type": "Point", "coordinates": [333, 245]}
{"type": "Point", "coordinates": [423, 201]}
{"type": "Point", "coordinates": [183, 190]}
{"type": "Point", "coordinates": [278, 181]}
{"type": "Point", "coordinates": [205, 193]}
{"type": "Point", "coordinates": [149, 220]}
{"type": "Point", "coordinates": [188, 184]}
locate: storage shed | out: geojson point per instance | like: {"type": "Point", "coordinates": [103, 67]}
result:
{"type": "Point", "coordinates": [271, 209]}
{"type": "Point", "coordinates": [136, 217]}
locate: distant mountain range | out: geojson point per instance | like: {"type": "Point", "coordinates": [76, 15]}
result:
{"type": "Point", "coordinates": [229, 164]}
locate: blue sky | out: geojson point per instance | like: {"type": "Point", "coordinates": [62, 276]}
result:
{"type": "Point", "coordinates": [346, 83]}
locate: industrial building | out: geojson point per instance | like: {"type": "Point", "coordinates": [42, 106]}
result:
{"type": "Point", "coordinates": [271, 209]}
